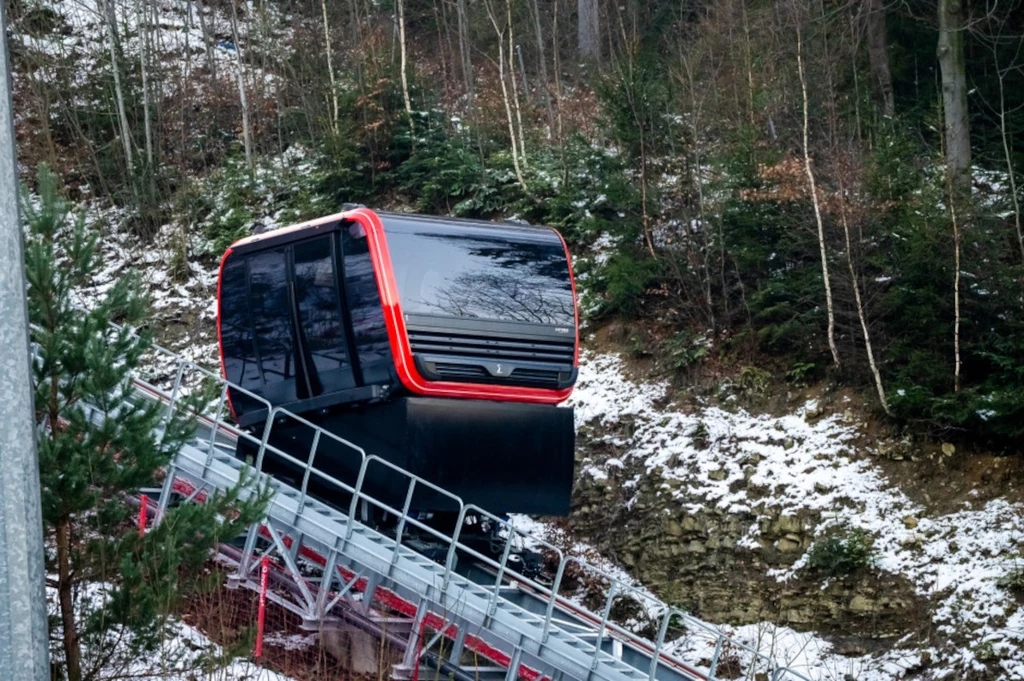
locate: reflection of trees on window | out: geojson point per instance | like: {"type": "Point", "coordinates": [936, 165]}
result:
{"type": "Point", "coordinates": [484, 276]}
{"type": "Point", "coordinates": [319, 305]}
{"type": "Point", "coordinates": [365, 310]}
{"type": "Point", "coordinates": [241, 362]}
{"type": "Point", "coordinates": [268, 294]}
{"type": "Point", "coordinates": [503, 295]}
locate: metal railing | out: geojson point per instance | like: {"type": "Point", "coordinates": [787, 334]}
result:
{"type": "Point", "coordinates": [556, 606]}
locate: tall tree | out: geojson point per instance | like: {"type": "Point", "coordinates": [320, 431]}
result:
{"type": "Point", "coordinates": [242, 98]}
{"type": "Point", "coordinates": [97, 447]}
{"type": "Point", "coordinates": [330, 69]}
{"type": "Point", "coordinates": [812, 185]}
{"type": "Point", "coordinates": [954, 94]}
{"type": "Point", "coordinates": [405, 71]}
{"type": "Point", "coordinates": [111, 26]}
{"type": "Point", "coordinates": [588, 33]}
{"type": "Point", "coordinates": [542, 62]}
{"type": "Point", "coordinates": [878, 57]}
{"type": "Point", "coordinates": [500, 28]}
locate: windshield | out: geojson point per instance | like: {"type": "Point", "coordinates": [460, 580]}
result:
{"type": "Point", "coordinates": [501, 273]}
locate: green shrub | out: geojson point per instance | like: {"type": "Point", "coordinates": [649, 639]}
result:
{"type": "Point", "coordinates": [683, 351]}
{"type": "Point", "coordinates": [233, 225]}
{"type": "Point", "coordinates": [800, 372]}
{"type": "Point", "coordinates": [625, 279]}
{"type": "Point", "coordinates": [842, 554]}
{"type": "Point", "coordinates": [752, 381]}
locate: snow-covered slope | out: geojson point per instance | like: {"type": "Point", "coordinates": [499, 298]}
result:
{"type": "Point", "coordinates": [713, 458]}
{"type": "Point", "coordinates": [739, 463]}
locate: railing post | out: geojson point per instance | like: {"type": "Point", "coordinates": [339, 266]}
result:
{"type": "Point", "coordinates": [604, 624]}
{"type": "Point", "coordinates": [175, 390]}
{"type": "Point", "coordinates": [356, 493]}
{"type": "Point", "coordinates": [662, 631]}
{"type": "Point", "coordinates": [556, 585]}
{"type": "Point", "coordinates": [166, 490]}
{"type": "Point", "coordinates": [449, 561]}
{"type": "Point", "coordinates": [714, 657]}
{"type": "Point", "coordinates": [216, 427]}
{"type": "Point", "coordinates": [305, 476]}
{"type": "Point", "coordinates": [401, 523]}
{"type": "Point", "coordinates": [493, 605]}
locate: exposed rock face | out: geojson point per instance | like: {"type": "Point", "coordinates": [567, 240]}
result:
{"type": "Point", "coordinates": [705, 562]}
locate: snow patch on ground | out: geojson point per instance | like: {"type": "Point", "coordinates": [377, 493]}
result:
{"type": "Point", "coordinates": [184, 653]}
{"type": "Point", "coordinates": [806, 461]}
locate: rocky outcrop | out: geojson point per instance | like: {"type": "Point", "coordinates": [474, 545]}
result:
{"type": "Point", "coordinates": [706, 562]}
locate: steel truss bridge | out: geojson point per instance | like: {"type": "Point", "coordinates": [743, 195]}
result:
{"type": "Point", "coordinates": [447, 613]}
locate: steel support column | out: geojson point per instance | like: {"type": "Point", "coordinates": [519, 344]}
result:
{"type": "Point", "coordinates": [24, 653]}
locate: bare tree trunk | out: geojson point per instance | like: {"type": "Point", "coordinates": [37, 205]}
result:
{"type": "Point", "coordinates": [589, 29]}
{"type": "Point", "coordinates": [143, 21]}
{"type": "Point", "coordinates": [157, 47]}
{"type": "Point", "coordinates": [814, 201]}
{"type": "Point", "coordinates": [464, 53]}
{"type": "Point", "coordinates": [515, 91]}
{"type": "Point", "coordinates": [1009, 157]}
{"type": "Point", "coordinates": [443, 32]}
{"type": "Point", "coordinates": [404, 69]}
{"type": "Point", "coordinates": [542, 61]}
{"type": "Point", "coordinates": [954, 94]}
{"type": "Point", "coordinates": [500, 32]}
{"type": "Point", "coordinates": [330, 69]}
{"type": "Point", "coordinates": [118, 91]}
{"type": "Point", "coordinates": [247, 139]}
{"type": "Point", "coordinates": [696, 110]}
{"type": "Point", "coordinates": [65, 597]}
{"type": "Point", "coordinates": [856, 91]}
{"type": "Point", "coordinates": [878, 57]}
{"type": "Point", "coordinates": [211, 59]}
{"type": "Point", "coordinates": [556, 64]}
{"type": "Point", "coordinates": [749, 62]}
{"type": "Point", "coordinates": [645, 216]}
{"type": "Point", "coordinates": [860, 305]}
{"type": "Point", "coordinates": [186, 78]}
{"type": "Point", "coordinates": [951, 190]}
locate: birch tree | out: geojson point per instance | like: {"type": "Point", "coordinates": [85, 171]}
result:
{"type": "Point", "coordinates": [861, 314]}
{"type": "Point", "coordinates": [111, 29]}
{"type": "Point", "coordinates": [404, 68]}
{"type": "Point", "coordinates": [243, 100]}
{"type": "Point", "coordinates": [499, 29]}
{"type": "Point", "coordinates": [543, 64]}
{"type": "Point", "coordinates": [142, 19]}
{"type": "Point", "coordinates": [330, 69]}
{"type": "Point", "coordinates": [812, 186]}
{"type": "Point", "coordinates": [957, 138]}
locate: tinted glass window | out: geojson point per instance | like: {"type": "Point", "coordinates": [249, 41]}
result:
{"type": "Point", "coordinates": [271, 315]}
{"type": "Point", "coordinates": [371, 335]}
{"type": "Point", "coordinates": [320, 307]}
{"type": "Point", "coordinates": [506, 274]}
{"type": "Point", "coordinates": [241, 365]}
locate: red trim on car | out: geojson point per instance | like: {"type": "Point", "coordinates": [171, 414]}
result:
{"type": "Point", "coordinates": [220, 339]}
{"type": "Point", "coordinates": [575, 304]}
{"type": "Point", "coordinates": [399, 338]}
{"type": "Point", "coordinates": [394, 320]}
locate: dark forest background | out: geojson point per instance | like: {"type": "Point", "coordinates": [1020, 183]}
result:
{"type": "Point", "coordinates": [824, 189]}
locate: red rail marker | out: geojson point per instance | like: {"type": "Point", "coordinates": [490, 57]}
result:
{"type": "Point", "coordinates": [143, 510]}
{"type": "Point", "coordinates": [261, 618]}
